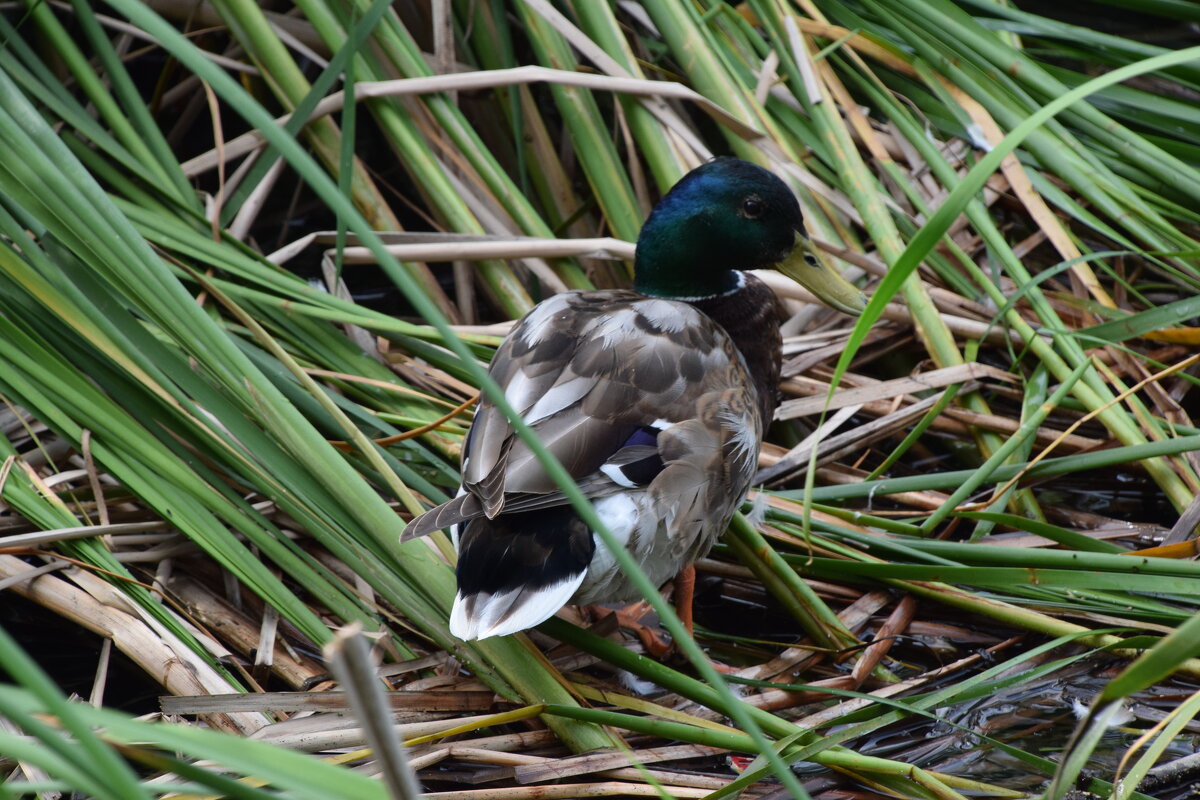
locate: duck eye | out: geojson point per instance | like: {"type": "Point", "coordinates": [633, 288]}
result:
{"type": "Point", "coordinates": [753, 208]}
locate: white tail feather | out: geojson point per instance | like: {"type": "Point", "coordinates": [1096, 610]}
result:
{"type": "Point", "coordinates": [485, 614]}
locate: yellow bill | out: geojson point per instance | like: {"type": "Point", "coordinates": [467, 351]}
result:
{"type": "Point", "coordinates": [807, 266]}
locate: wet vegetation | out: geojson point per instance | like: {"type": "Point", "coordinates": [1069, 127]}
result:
{"type": "Point", "coordinates": [254, 259]}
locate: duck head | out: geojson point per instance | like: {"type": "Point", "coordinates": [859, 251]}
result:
{"type": "Point", "coordinates": [726, 216]}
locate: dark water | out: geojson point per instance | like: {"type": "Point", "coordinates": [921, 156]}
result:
{"type": "Point", "coordinates": [71, 656]}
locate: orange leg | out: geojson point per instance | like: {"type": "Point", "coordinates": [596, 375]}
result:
{"type": "Point", "coordinates": [628, 618]}
{"type": "Point", "coordinates": [685, 592]}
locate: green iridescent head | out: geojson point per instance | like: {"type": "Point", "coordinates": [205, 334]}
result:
{"type": "Point", "coordinates": [725, 216]}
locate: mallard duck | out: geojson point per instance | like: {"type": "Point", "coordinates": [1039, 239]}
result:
{"type": "Point", "coordinates": [655, 400]}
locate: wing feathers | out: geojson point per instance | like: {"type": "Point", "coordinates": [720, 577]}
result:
{"type": "Point", "coordinates": [460, 509]}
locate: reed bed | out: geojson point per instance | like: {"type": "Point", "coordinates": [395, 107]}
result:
{"type": "Point", "coordinates": [254, 259]}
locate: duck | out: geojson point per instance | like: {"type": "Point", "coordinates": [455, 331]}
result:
{"type": "Point", "coordinates": [654, 399]}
